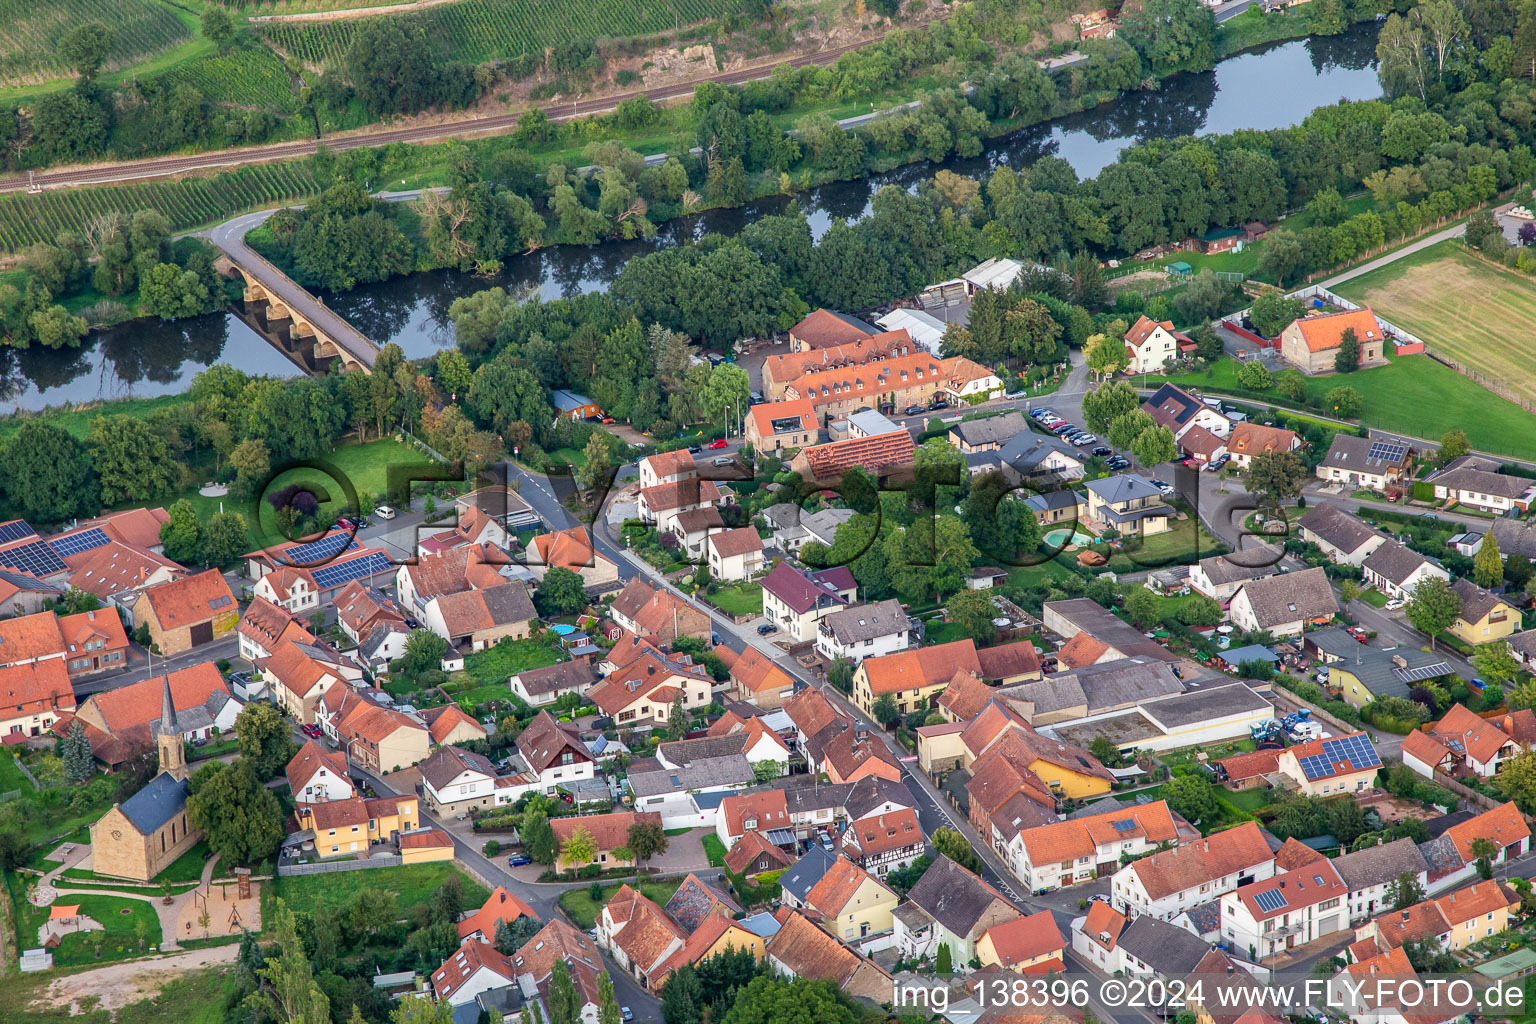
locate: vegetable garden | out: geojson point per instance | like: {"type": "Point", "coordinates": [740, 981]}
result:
{"type": "Point", "coordinates": [26, 219]}
{"type": "Point", "coordinates": [480, 30]}
{"type": "Point", "coordinates": [30, 31]}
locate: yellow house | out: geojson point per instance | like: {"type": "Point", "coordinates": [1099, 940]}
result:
{"type": "Point", "coordinates": [1345, 764]}
{"type": "Point", "coordinates": [912, 677]}
{"type": "Point", "coordinates": [852, 903]}
{"type": "Point", "coordinates": [426, 846]}
{"type": "Point", "coordinates": [1361, 673]}
{"type": "Point", "coordinates": [1455, 920]}
{"type": "Point", "coordinates": [1000, 734]}
{"type": "Point", "coordinates": [716, 934]}
{"type": "Point", "coordinates": [1027, 945]}
{"type": "Point", "coordinates": [352, 827]}
{"type": "Point", "coordinates": [1129, 504]}
{"type": "Point", "coordinates": [1484, 617]}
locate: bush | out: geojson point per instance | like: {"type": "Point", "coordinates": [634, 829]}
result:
{"type": "Point", "coordinates": [492, 847]}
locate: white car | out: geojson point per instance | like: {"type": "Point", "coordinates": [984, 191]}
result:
{"type": "Point", "coordinates": [1083, 440]}
{"type": "Point", "coordinates": [385, 512]}
{"type": "Point", "coordinates": [1394, 604]}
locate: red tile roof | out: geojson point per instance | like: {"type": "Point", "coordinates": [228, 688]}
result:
{"type": "Point", "coordinates": [1303, 887]}
{"type": "Point", "coordinates": [270, 625]}
{"type": "Point", "coordinates": [566, 549]}
{"type": "Point", "coordinates": [1250, 765]}
{"type": "Point", "coordinates": [1104, 924]}
{"type": "Point", "coordinates": [608, 831]}
{"type": "Point", "coordinates": [501, 905]}
{"type": "Point", "coordinates": [192, 600]}
{"type": "Point", "coordinates": [923, 667]}
{"type": "Point", "coordinates": [1081, 837]}
{"type": "Point", "coordinates": [1255, 438]}
{"type": "Point", "coordinates": [799, 410]}
{"type": "Point", "coordinates": [730, 543]}
{"type": "Point", "coordinates": [309, 760]}
{"type": "Point", "coordinates": [114, 568]}
{"type": "Point", "coordinates": [30, 637]}
{"type": "Point", "coordinates": [140, 702]}
{"type": "Point", "coordinates": [823, 328]}
{"type": "Point", "coordinates": [873, 454]}
{"type": "Point", "coordinates": [85, 627]}
{"type": "Point", "coordinates": [1315, 748]}
{"type": "Point", "coordinates": [882, 833]}
{"type": "Point", "coordinates": [428, 839]}
{"type": "Point", "coordinates": [1026, 938]}
{"type": "Point", "coordinates": [442, 721]}
{"type": "Point", "coordinates": [835, 888]}
{"type": "Point", "coordinates": [1202, 861]}
{"type": "Point", "coordinates": [1504, 825]}
{"type": "Point", "coordinates": [751, 846]}
{"type": "Point", "coordinates": [756, 673]}
{"type": "Point", "coordinates": [1326, 331]}
{"type": "Point", "coordinates": [764, 810]}
{"type": "Point", "coordinates": [38, 686]}
{"type": "Point", "coordinates": [463, 965]}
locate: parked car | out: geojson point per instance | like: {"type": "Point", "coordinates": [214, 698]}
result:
{"type": "Point", "coordinates": [1013, 396]}
{"type": "Point", "coordinates": [1083, 440]}
{"type": "Point", "coordinates": [1062, 428]}
{"type": "Point", "coordinates": [1394, 604]}
{"type": "Point", "coordinates": [626, 1013]}
{"type": "Point", "coordinates": [714, 638]}
{"type": "Point", "coordinates": [385, 512]}
{"type": "Point", "coordinates": [312, 731]}
{"type": "Point", "coordinates": [914, 410]}
{"type": "Point", "coordinates": [723, 460]}
{"type": "Point", "coordinates": [939, 403]}
{"type": "Point", "coordinates": [1428, 515]}
{"type": "Point", "coordinates": [1163, 485]}
{"type": "Point", "coordinates": [694, 449]}
{"type": "Point", "coordinates": [1102, 451]}
{"type": "Point", "coordinates": [517, 860]}
{"type": "Point", "coordinates": [718, 442]}
{"type": "Point", "coordinates": [1117, 462]}
{"type": "Point", "coordinates": [767, 628]}
{"type": "Point", "coordinates": [1044, 410]}
{"type": "Point", "coordinates": [1215, 464]}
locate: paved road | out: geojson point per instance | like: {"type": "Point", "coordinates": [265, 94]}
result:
{"type": "Point", "coordinates": [497, 123]}
{"type": "Point", "coordinates": [229, 237]}
{"type": "Point", "coordinates": [1455, 231]}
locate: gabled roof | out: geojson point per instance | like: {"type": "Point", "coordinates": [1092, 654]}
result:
{"type": "Point", "coordinates": [1378, 865]}
{"type": "Point", "coordinates": [465, 612]}
{"type": "Point", "coordinates": [812, 712]}
{"type": "Point", "coordinates": [1326, 330]}
{"type": "Point", "coordinates": [1104, 924]}
{"type": "Point", "coordinates": [1194, 864]}
{"type": "Point", "coordinates": [823, 328]}
{"type": "Point", "coordinates": [1255, 438]}
{"type": "Point", "coordinates": [831, 893]}
{"type": "Point", "coordinates": [1291, 891]}
{"type": "Point", "coordinates": [922, 667]}
{"type": "Point", "coordinates": [696, 900]}
{"type": "Point", "coordinates": [1395, 562]}
{"type": "Point", "coordinates": [650, 607]}
{"type": "Point", "coordinates": [1166, 948]}
{"type": "Point", "coordinates": [546, 739]}
{"type": "Point", "coordinates": [648, 935]}
{"type": "Point", "coordinates": [564, 675]}
{"type": "Point", "coordinates": [810, 952]}
{"type": "Point", "coordinates": [755, 672]}
{"type": "Point", "coordinates": [1339, 528]}
{"type": "Point", "coordinates": [468, 961]}
{"type": "Point", "coordinates": [139, 703]}
{"type": "Point", "coordinates": [310, 759]}
{"type": "Point", "coordinates": [646, 676]}
{"type": "Point", "coordinates": [609, 831]}
{"type": "Point", "coordinates": [1504, 825]}
{"type": "Point", "coordinates": [269, 624]}
{"type": "Point", "coordinates": [749, 848]}
{"type": "Point", "coordinates": [965, 695]}
{"type": "Point", "coordinates": [29, 637]}
{"type": "Point", "coordinates": [191, 600]}
{"type": "Point", "coordinates": [1026, 938]}
{"type": "Point", "coordinates": [953, 896]}
{"type": "Point", "coordinates": [1171, 406]}
{"type": "Point", "coordinates": [764, 809]}
{"type": "Point", "coordinates": [803, 591]}
{"type": "Point", "coordinates": [1476, 603]}
{"type": "Point", "coordinates": [796, 415]}
{"type": "Point", "coordinates": [882, 833]}
{"type": "Point", "coordinates": [443, 720]}
{"type": "Point", "coordinates": [861, 622]}
{"type": "Point", "coordinates": [1081, 837]}
{"type": "Point", "coordinates": [445, 764]}
{"type": "Point", "coordinates": [1007, 660]}
{"type": "Point", "coordinates": [1481, 738]}
{"type": "Point", "coordinates": [565, 549]}
{"type": "Point", "coordinates": [1467, 478]}
{"type": "Point", "coordinates": [1361, 454]}
{"type": "Point", "coordinates": [455, 570]}
{"type": "Point", "coordinates": [557, 940]}
{"type": "Point", "coordinates": [730, 543]}
{"type": "Point", "coordinates": [990, 429]}
{"type": "Point", "coordinates": [806, 872]}
{"type": "Point", "coordinates": [501, 905]}
{"type": "Point", "coordinates": [1276, 600]}
{"type": "Point", "coordinates": [36, 686]}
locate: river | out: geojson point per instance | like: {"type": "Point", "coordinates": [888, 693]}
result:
{"type": "Point", "coordinates": [1268, 88]}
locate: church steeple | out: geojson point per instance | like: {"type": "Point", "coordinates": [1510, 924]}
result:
{"type": "Point", "coordinates": [173, 759]}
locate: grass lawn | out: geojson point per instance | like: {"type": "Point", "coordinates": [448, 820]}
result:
{"type": "Point", "coordinates": [741, 599]}
{"type": "Point", "coordinates": [410, 885]}
{"type": "Point", "coordinates": [42, 821]}
{"type": "Point", "coordinates": [1411, 394]}
{"type": "Point", "coordinates": [715, 850]}
{"type": "Point", "coordinates": [1461, 305]}
{"type": "Point", "coordinates": [1374, 598]}
{"type": "Point", "coordinates": [581, 906]}
{"type": "Point", "coordinates": [937, 631]}
{"type": "Point", "coordinates": [500, 663]}
{"type": "Point", "coordinates": [189, 866]}
{"type": "Point", "coordinates": [196, 997]}
{"type": "Point", "coordinates": [118, 915]}
{"type": "Point", "coordinates": [571, 455]}
{"type": "Point", "coordinates": [1186, 542]}
{"type": "Point", "coordinates": [1248, 800]}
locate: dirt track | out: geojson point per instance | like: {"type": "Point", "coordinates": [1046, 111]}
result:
{"type": "Point", "coordinates": [116, 986]}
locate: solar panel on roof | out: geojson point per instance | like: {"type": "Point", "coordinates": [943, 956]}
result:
{"type": "Point", "coordinates": [318, 551]}
{"type": "Point", "coordinates": [36, 558]}
{"type": "Point", "coordinates": [1124, 824]}
{"type": "Point", "coordinates": [1357, 750]}
{"type": "Point", "coordinates": [75, 543]}
{"type": "Point", "coordinates": [329, 576]}
{"type": "Point", "coordinates": [1387, 451]}
{"type": "Point", "coordinates": [14, 530]}
{"type": "Point", "coordinates": [1270, 900]}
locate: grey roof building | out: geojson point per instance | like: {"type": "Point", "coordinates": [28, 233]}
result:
{"type": "Point", "coordinates": [1339, 529]}
{"type": "Point", "coordinates": [1378, 865]}
{"type": "Point", "coordinates": [1165, 948]}
{"type": "Point", "coordinates": [1123, 487]}
{"type": "Point", "coordinates": [1106, 686]}
{"type": "Point", "coordinates": [655, 779]}
{"type": "Point", "coordinates": [955, 898]}
{"type": "Point", "coordinates": [161, 799]}
{"type": "Point", "coordinates": [1278, 600]}
{"type": "Point", "coordinates": [803, 875]}
{"type": "Point", "coordinates": [1395, 562]}
{"type": "Point", "coordinates": [1385, 673]}
{"type": "Point", "coordinates": [866, 622]}
{"type": "Point", "coordinates": [1352, 454]}
{"type": "Point", "coordinates": [991, 431]}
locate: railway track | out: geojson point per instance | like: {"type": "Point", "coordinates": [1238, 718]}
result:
{"type": "Point", "coordinates": [164, 167]}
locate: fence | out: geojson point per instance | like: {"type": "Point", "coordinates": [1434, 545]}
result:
{"type": "Point", "coordinates": [393, 860]}
{"type": "Point", "coordinates": [30, 777]}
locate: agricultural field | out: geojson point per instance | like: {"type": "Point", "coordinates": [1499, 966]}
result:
{"type": "Point", "coordinates": [30, 31]}
{"type": "Point", "coordinates": [247, 77]}
{"type": "Point", "coordinates": [480, 30]}
{"type": "Point", "coordinates": [26, 219]}
{"type": "Point", "coordinates": [1463, 307]}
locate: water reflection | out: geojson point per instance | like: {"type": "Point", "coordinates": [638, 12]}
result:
{"type": "Point", "coordinates": [1269, 88]}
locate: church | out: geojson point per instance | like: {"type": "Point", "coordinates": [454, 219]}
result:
{"type": "Point", "coordinates": [143, 835]}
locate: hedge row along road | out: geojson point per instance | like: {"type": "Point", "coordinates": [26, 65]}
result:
{"type": "Point", "coordinates": [167, 166]}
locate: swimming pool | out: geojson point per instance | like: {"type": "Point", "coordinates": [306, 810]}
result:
{"type": "Point", "coordinates": [1061, 538]}
{"type": "Point", "coordinates": [562, 629]}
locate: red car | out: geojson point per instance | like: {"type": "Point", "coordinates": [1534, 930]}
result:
{"type": "Point", "coordinates": [310, 730]}
{"type": "Point", "coordinates": [717, 443]}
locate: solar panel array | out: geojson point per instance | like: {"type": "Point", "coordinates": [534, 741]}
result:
{"type": "Point", "coordinates": [315, 552]}
{"type": "Point", "coordinates": [1357, 750]}
{"type": "Point", "coordinates": [85, 540]}
{"type": "Point", "coordinates": [21, 581]}
{"type": "Point", "coordinates": [1124, 824]}
{"type": "Point", "coordinates": [36, 558]}
{"type": "Point", "coordinates": [342, 573]}
{"type": "Point", "coordinates": [1270, 900]}
{"type": "Point", "coordinates": [1413, 675]}
{"type": "Point", "coordinates": [1387, 451]}
{"type": "Point", "coordinates": [14, 530]}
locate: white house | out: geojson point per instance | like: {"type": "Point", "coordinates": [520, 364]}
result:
{"type": "Point", "coordinates": [1220, 576]}
{"type": "Point", "coordinates": [1286, 911]}
{"type": "Point", "coordinates": [554, 752]}
{"type": "Point", "coordinates": [1284, 605]}
{"type": "Point", "coordinates": [735, 554]}
{"type": "Point", "coordinates": [1077, 850]}
{"type": "Point", "coordinates": [316, 775]}
{"type": "Point", "coordinates": [864, 631]}
{"type": "Point", "coordinates": [1395, 569]}
{"type": "Point", "coordinates": [1166, 884]}
{"type": "Point", "coordinates": [1369, 872]}
{"type": "Point", "coordinates": [477, 967]}
{"type": "Point", "coordinates": [1344, 538]}
{"type": "Point", "coordinates": [1149, 344]}
{"type": "Point", "coordinates": [454, 780]}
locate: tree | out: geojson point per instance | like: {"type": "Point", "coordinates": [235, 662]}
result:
{"type": "Point", "coordinates": [1127, 428]}
{"type": "Point", "coordinates": [1484, 850]}
{"type": "Point", "coordinates": [598, 463]}
{"type": "Point", "coordinates": [646, 839]}
{"type": "Point", "coordinates": [218, 26]}
{"type": "Point", "coordinates": [1142, 606]}
{"type": "Point", "coordinates": [1432, 606]}
{"type": "Point", "coordinates": [242, 819]}
{"type": "Point", "coordinates": [944, 962]}
{"type": "Point", "coordinates": [286, 990]}
{"type": "Point", "coordinates": [677, 718]}
{"type": "Point", "coordinates": [182, 533]}
{"type": "Point", "coordinates": [424, 650]}
{"type": "Point", "coordinates": [772, 1000]}
{"type": "Point", "coordinates": [1516, 779]}
{"type": "Point", "coordinates": [1348, 591]}
{"type": "Point", "coordinates": [973, 611]}
{"type": "Point", "coordinates": [48, 474]}
{"type": "Point", "coordinates": [1282, 257]}
{"type": "Point", "coordinates": [1453, 445]}
{"type": "Point", "coordinates": [1487, 564]}
{"type": "Point", "coordinates": [1104, 751]}
{"type": "Point", "coordinates": [1276, 477]}
{"type": "Point", "coordinates": [1105, 355]}
{"type": "Point", "coordinates": [252, 463]}
{"type": "Point", "coordinates": [578, 849]}
{"type": "Point", "coordinates": [1347, 358]}
{"type": "Point", "coordinates": [607, 1005]}
{"type": "Point", "coordinates": [225, 536]}
{"type": "Point", "coordinates": [1199, 610]}
{"type": "Point", "coordinates": [75, 749]}
{"type": "Point", "coordinates": [682, 996]}
{"type": "Point", "coordinates": [560, 592]}
{"type": "Point", "coordinates": [133, 461]}
{"type": "Point", "coordinates": [1108, 402]}
{"type": "Point", "coordinates": [1255, 376]}
{"type": "Point", "coordinates": [1154, 446]}
{"type": "Point", "coordinates": [266, 741]}
{"type": "Point", "coordinates": [85, 48]}
{"type": "Point", "coordinates": [1345, 402]}
{"type": "Point", "coordinates": [1273, 311]}
{"type": "Point", "coordinates": [956, 847]}
{"type": "Point", "coordinates": [1517, 571]}
{"type": "Point", "coordinates": [884, 709]}
{"type": "Point", "coordinates": [417, 1009]}
{"type": "Point", "coordinates": [538, 838]}
{"type": "Point", "coordinates": [1194, 798]}
{"type": "Point", "coordinates": [840, 674]}
{"type": "Point", "coordinates": [1172, 35]}
{"type": "Point", "coordinates": [564, 1003]}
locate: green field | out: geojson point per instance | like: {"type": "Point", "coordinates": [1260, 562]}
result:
{"type": "Point", "coordinates": [247, 76]}
{"type": "Point", "coordinates": [480, 30]}
{"type": "Point", "coordinates": [30, 32]}
{"type": "Point", "coordinates": [118, 915]}
{"type": "Point", "coordinates": [191, 203]}
{"type": "Point", "coordinates": [365, 466]}
{"type": "Point", "coordinates": [741, 599]}
{"type": "Point", "coordinates": [584, 909]}
{"type": "Point", "coordinates": [1463, 307]}
{"type": "Point", "coordinates": [1412, 394]}
{"type": "Point", "coordinates": [410, 885]}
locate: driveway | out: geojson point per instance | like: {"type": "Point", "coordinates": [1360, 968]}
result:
{"type": "Point", "coordinates": [684, 853]}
